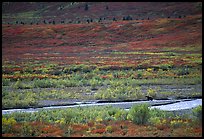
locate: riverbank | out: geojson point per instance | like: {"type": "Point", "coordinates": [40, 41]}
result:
{"type": "Point", "coordinates": [103, 121]}
{"type": "Point", "coordinates": [44, 97]}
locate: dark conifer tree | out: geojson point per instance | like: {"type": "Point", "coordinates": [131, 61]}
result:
{"type": "Point", "coordinates": [86, 7]}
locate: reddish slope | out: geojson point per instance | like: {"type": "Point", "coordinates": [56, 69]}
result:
{"type": "Point", "coordinates": [105, 44]}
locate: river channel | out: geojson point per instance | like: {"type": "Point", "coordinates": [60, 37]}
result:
{"type": "Point", "coordinates": [167, 105]}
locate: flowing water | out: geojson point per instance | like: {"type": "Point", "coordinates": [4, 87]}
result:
{"type": "Point", "coordinates": [167, 105]}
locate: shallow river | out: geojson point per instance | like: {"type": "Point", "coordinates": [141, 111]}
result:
{"type": "Point", "coordinates": [167, 105]}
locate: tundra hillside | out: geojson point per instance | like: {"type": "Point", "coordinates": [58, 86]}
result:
{"type": "Point", "coordinates": [101, 56]}
{"type": "Point", "coordinates": [58, 53]}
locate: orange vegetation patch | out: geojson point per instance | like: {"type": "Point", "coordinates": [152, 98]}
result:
{"type": "Point", "coordinates": [99, 131]}
{"type": "Point", "coordinates": [79, 128]}
{"type": "Point", "coordinates": [106, 128]}
{"type": "Point", "coordinates": [8, 135]}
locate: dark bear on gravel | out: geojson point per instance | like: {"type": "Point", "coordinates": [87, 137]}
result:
{"type": "Point", "coordinates": [149, 98]}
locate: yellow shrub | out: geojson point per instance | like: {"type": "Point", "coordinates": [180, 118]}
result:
{"type": "Point", "coordinates": [109, 129]}
{"type": "Point", "coordinates": [9, 121]}
{"type": "Point", "coordinates": [149, 69]}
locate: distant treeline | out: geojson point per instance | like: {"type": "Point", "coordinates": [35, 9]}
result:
{"type": "Point", "coordinates": [88, 20]}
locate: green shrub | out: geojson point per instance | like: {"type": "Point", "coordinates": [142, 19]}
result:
{"type": "Point", "coordinates": [155, 120]}
{"type": "Point", "coordinates": [120, 115]}
{"type": "Point", "coordinates": [94, 82]}
{"type": "Point", "coordinates": [109, 129]}
{"type": "Point", "coordinates": [18, 85]}
{"type": "Point", "coordinates": [166, 66]}
{"type": "Point", "coordinates": [78, 68]}
{"type": "Point", "coordinates": [197, 112]}
{"type": "Point", "coordinates": [5, 82]}
{"type": "Point", "coordinates": [27, 129]}
{"type": "Point", "coordinates": [67, 116]}
{"type": "Point", "coordinates": [176, 123]}
{"type": "Point", "coordinates": [7, 124]}
{"type": "Point", "coordinates": [139, 114]}
{"type": "Point", "coordinates": [160, 114]}
{"type": "Point", "coordinates": [139, 75]}
{"type": "Point", "coordinates": [120, 91]}
{"type": "Point", "coordinates": [45, 83]}
{"type": "Point", "coordinates": [151, 92]}
{"type": "Point", "coordinates": [17, 99]}
{"type": "Point", "coordinates": [112, 111]}
{"type": "Point", "coordinates": [22, 85]}
{"type": "Point", "coordinates": [183, 71]}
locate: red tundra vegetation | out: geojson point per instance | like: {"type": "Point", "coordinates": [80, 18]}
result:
{"type": "Point", "coordinates": [122, 43]}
